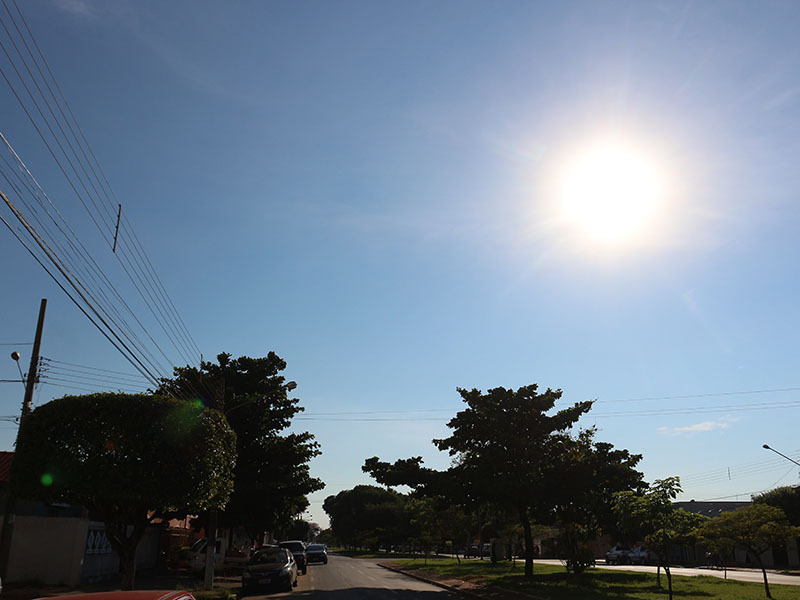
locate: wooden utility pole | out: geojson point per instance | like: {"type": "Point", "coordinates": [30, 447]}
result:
{"type": "Point", "coordinates": [27, 403]}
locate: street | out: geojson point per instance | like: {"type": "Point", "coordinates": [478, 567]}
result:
{"type": "Point", "coordinates": [347, 578]}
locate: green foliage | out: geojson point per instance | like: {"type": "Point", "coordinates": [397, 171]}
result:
{"type": "Point", "coordinates": [299, 529]}
{"type": "Point", "coordinates": [651, 515]}
{"type": "Point", "coordinates": [367, 516]}
{"type": "Point", "coordinates": [272, 472]}
{"type": "Point", "coordinates": [592, 473]}
{"type": "Point", "coordinates": [756, 527]}
{"type": "Point", "coordinates": [786, 498]}
{"type": "Point", "coordinates": [513, 453]}
{"type": "Point", "coordinates": [129, 453]}
{"type": "Point", "coordinates": [127, 457]}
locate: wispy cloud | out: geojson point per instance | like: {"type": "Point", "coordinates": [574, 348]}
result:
{"type": "Point", "coordinates": [84, 8]}
{"type": "Point", "coordinates": [697, 428]}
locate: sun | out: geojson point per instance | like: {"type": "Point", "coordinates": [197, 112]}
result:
{"type": "Point", "coordinates": [611, 191]}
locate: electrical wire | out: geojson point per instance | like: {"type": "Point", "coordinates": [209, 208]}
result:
{"type": "Point", "coordinates": [86, 176]}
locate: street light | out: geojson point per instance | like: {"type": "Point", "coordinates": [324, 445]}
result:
{"type": "Point", "coordinates": [15, 358]}
{"type": "Point", "coordinates": [768, 447]}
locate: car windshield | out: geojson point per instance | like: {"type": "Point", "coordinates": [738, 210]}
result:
{"type": "Point", "coordinates": [293, 546]}
{"type": "Point", "coordinates": [273, 555]}
{"type": "Point", "coordinates": [315, 548]}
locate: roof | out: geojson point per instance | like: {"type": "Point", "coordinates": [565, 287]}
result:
{"type": "Point", "coordinates": [710, 509]}
{"type": "Point", "coordinates": [5, 465]}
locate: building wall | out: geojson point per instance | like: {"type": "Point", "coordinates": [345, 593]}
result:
{"type": "Point", "coordinates": [47, 550]}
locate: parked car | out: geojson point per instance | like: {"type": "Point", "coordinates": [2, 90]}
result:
{"type": "Point", "coordinates": [317, 553]}
{"type": "Point", "coordinates": [133, 595]}
{"type": "Point", "coordinates": [618, 555]}
{"type": "Point", "coordinates": [642, 556]}
{"type": "Point", "coordinates": [271, 568]}
{"type": "Point", "coordinates": [471, 551]}
{"type": "Point", "coordinates": [298, 550]}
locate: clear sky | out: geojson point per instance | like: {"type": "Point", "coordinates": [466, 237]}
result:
{"type": "Point", "coordinates": [397, 199]}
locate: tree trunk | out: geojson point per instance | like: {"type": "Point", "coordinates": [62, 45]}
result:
{"type": "Point", "coordinates": [526, 528]}
{"type": "Point", "coordinates": [763, 573]}
{"type": "Point", "coordinates": [669, 579]}
{"type": "Point", "coordinates": [125, 546]}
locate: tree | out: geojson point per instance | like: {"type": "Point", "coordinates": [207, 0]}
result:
{"type": "Point", "coordinates": [272, 477]}
{"type": "Point", "coordinates": [756, 527]}
{"type": "Point", "coordinates": [591, 474]}
{"type": "Point", "coordinates": [423, 525]}
{"type": "Point", "coordinates": [653, 516]}
{"type": "Point", "coordinates": [786, 498]}
{"type": "Point", "coordinates": [129, 458]}
{"type": "Point", "coordinates": [503, 444]}
{"type": "Point", "coordinates": [300, 529]}
{"type": "Point", "coordinates": [367, 516]}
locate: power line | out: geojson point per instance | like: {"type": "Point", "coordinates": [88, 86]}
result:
{"type": "Point", "coordinates": [87, 175]}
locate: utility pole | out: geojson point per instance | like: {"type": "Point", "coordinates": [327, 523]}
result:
{"type": "Point", "coordinates": [27, 403]}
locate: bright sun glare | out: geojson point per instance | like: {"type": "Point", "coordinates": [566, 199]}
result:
{"type": "Point", "coordinates": [611, 192]}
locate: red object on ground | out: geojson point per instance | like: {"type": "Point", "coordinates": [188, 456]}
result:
{"type": "Point", "coordinates": [134, 595]}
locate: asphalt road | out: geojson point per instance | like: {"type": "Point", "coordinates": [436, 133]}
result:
{"type": "Point", "coordinates": [356, 579]}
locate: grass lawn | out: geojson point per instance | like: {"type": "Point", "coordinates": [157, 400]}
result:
{"type": "Point", "coordinates": [553, 582]}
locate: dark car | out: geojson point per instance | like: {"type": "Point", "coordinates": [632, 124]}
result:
{"type": "Point", "coordinates": [271, 568]}
{"type": "Point", "coordinates": [298, 550]}
{"type": "Point", "coordinates": [317, 553]}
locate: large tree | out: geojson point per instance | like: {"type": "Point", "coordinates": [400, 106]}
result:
{"type": "Point", "coordinates": [756, 527]}
{"type": "Point", "coordinates": [272, 472]}
{"type": "Point", "coordinates": [510, 450]}
{"type": "Point", "coordinates": [367, 516]}
{"type": "Point", "coordinates": [591, 474]}
{"type": "Point", "coordinates": [503, 443]}
{"type": "Point", "coordinates": [128, 458]}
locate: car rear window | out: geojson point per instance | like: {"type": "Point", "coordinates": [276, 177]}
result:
{"type": "Point", "coordinates": [278, 555]}
{"type": "Point", "coordinates": [293, 546]}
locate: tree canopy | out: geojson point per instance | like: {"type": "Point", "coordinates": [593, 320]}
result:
{"type": "Point", "coordinates": [127, 457]}
{"type": "Point", "coordinates": [272, 476]}
{"type": "Point", "coordinates": [367, 516]}
{"type": "Point", "coordinates": [511, 450]}
{"type": "Point", "coordinates": [786, 498]}
{"type": "Point", "coordinates": [756, 527]}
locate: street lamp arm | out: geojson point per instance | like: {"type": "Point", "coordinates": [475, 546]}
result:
{"type": "Point", "coordinates": [768, 447]}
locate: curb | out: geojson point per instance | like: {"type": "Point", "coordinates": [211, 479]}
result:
{"type": "Point", "coordinates": [463, 592]}
{"type": "Point", "coordinates": [450, 588]}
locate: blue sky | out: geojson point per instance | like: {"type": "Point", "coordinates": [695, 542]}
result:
{"type": "Point", "coordinates": [367, 189]}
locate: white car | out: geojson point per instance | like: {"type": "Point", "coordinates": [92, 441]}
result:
{"type": "Point", "coordinates": [641, 556]}
{"type": "Point", "coordinates": [618, 555]}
